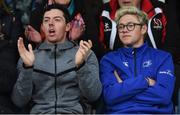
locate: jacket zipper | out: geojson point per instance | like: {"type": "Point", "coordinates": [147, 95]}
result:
{"type": "Point", "coordinates": [55, 78]}
{"type": "Point", "coordinates": [134, 53]}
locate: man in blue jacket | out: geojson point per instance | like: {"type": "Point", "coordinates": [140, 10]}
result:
{"type": "Point", "coordinates": [136, 78]}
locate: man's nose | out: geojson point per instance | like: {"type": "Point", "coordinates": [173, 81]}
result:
{"type": "Point", "coordinates": [125, 29]}
{"type": "Point", "coordinates": [51, 23]}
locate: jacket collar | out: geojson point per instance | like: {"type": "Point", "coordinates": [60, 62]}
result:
{"type": "Point", "coordinates": [47, 59]}
{"type": "Point", "coordinates": [130, 52]}
{"type": "Point", "coordinates": [60, 46]}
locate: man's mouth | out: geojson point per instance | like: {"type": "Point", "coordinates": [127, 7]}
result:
{"type": "Point", "coordinates": [126, 35]}
{"type": "Point", "coordinates": [51, 32]}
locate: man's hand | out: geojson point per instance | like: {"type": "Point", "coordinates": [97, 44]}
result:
{"type": "Point", "coordinates": [117, 77]}
{"type": "Point", "coordinates": [32, 34]}
{"type": "Point", "coordinates": [83, 52]}
{"type": "Point", "coordinates": [27, 56]}
{"type": "Point", "coordinates": [151, 82]}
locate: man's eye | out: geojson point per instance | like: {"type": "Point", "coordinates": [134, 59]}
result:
{"type": "Point", "coordinates": [46, 20]}
{"type": "Point", "coordinates": [57, 20]}
{"type": "Point", "coordinates": [130, 25]}
{"type": "Point", "coordinates": [121, 27]}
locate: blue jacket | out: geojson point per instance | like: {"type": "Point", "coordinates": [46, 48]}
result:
{"type": "Point", "coordinates": [134, 95]}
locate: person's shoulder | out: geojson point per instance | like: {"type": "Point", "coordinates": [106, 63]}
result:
{"type": "Point", "coordinates": [110, 55]}
{"type": "Point", "coordinates": [160, 53]}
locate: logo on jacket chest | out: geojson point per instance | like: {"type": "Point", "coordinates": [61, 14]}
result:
{"type": "Point", "coordinates": [107, 27]}
{"type": "Point", "coordinates": [126, 64]}
{"type": "Point", "coordinates": [157, 24]}
{"type": "Point", "coordinates": [167, 72]}
{"type": "Point", "coordinates": [147, 63]}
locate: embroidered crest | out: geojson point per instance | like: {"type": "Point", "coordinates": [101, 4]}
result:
{"type": "Point", "coordinates": [147, 63]}
{"type": "Point", "coordinates": [106, 27]}
{"type": "Point", "coordinates": [126, 64]}
{"type": "Point", "coordinates": [157, 24]}
{"type": "Point", "coordinates": [168, 72]}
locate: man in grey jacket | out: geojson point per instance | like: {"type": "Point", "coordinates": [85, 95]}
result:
{"type": "Point", "coordinates": [58, 73]}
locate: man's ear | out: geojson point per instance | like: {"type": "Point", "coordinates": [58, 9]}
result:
{"type": "Point", "coordinates": [144, 29]}
{"type": "Point", "coordinates": [68, 27]}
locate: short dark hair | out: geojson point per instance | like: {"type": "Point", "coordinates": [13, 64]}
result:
{"type": "Point", "coordinates": [59, 7]}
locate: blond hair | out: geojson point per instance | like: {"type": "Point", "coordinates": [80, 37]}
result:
{"type": "Point", "coordinates": [142, 16]}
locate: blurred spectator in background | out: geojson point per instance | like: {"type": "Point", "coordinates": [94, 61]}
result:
{"type": "Point", "coordinates": [174, 34]}
{"type": "Point", "coordinates": [173, 31]}
{"type": "Point", "coordinates": [178, 10]}
{"type": "Point", "coordinates": [10, 29]}
{"type": "Point", "coordinates": [23, 7]}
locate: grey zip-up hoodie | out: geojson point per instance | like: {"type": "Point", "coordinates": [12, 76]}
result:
{"type": "Point", "coordinates": [54, 84]}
